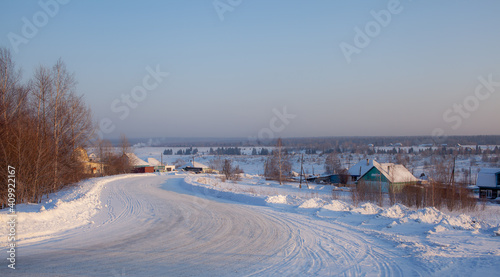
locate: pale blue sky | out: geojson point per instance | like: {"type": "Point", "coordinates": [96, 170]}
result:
{"type": "Point", "coordinates": [226, 76]}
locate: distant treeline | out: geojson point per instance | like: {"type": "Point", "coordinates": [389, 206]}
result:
{"type": "Point", "coordinates": [323, 143]}
{"type": "Point", "coordinates": [353, 149]}
{"type": "Point", "coordinates": [235, 151]}
{"type": "Point", "coordinates": [187, 151]}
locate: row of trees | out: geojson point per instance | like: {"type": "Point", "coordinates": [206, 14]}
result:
{"type": "Point", "coordinates": [261, 152]}
{"type": "Point", "coordinates": [218, 151]}
{"type": "Point", "coordinates": [360, 144]}
{"type": "Point", "coordinates": [435, 194]}
{"type": "Point", "coordinates": [42, 124]}
{"type": "Point", "coordinates": [187, 151]}
{"type": "Point", "coordinates": [226, 151]}
{"type": "Point", "coordinates": [113, 160]}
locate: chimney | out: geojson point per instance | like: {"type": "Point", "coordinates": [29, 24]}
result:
{"type": "Point", "coordinates": [367, 162]}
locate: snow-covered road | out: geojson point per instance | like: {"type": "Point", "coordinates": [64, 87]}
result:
{"type": "Point", "coordinates": [154, 225]}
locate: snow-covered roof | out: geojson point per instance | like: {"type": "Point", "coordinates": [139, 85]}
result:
{"type": "Point", "coordinates": [153, 161]}
{"type": "Point", "coordinates": [489, 170]}
{"type": "Point", "coordinates": [361, 168]}
{"type": "Point", "coordinates": [395, 173]}
{"type": "Point", "coordinates": [487, 177]}
{"type": "Point", "coordinates": [135, 161]}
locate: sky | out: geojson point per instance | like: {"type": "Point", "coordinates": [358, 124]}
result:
{"type": "Point", "coordinates": [266, 69]}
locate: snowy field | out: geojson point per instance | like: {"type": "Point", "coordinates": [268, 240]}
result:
{"type": "Point", "coordinates": [197, 225]}
{"type": "Point", "coordinates": [314, 164]}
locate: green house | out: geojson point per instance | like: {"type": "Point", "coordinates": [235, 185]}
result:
{"type": "Point", "coordinates": [387, 174]}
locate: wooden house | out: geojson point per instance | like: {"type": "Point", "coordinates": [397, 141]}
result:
{"type": "Point", "coordinates": [359, 170]}
{"type": "Point", "coordinates": [386, 175]}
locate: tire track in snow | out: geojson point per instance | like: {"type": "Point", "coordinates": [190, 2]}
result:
{"type": "Point", "coordinates": [336, 250]}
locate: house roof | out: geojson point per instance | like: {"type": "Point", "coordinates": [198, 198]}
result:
{"type": "Point", "coordinates": [135, 161]}
{"type": "Point", "coordinates": [153, 161]}
{"type": "Point", "coordinates": [82, 154]}
{"type": "Point", "coordinates": [361, 168]}
{"type": "Point", "coordinates": [395, 173]}
{"type": "Point", "coordinates": [487, 177]}
{"type": "Point", "coordinates": [489, 170]}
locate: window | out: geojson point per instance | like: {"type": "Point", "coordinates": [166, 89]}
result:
{"type": "Point", "coordinates": [485, 193]}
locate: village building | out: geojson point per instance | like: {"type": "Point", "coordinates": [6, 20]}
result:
{"type": "Point", "coordinates": [386, 175]}
{"type": "Point", "coordinates": [197, 167]}
{"type": "Point", "coordinates": [359, 169]}
{"type": "Point", "coordinates": [159, 166]}
{"type": "Point", "coordinates": [91, 165]}
{"type": "Point", "coordinates": [488, 182]}
{"type": "Point", "coordinates": [138, 165]}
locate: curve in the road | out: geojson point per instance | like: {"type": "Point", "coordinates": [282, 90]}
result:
{"type": "Point", "coordinates": [145, 230]}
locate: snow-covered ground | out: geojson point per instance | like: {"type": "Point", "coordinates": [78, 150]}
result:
{"type": "Point", "coordinates": [196, 225]}
{"type": "Point", "coordinates": [315, 164]}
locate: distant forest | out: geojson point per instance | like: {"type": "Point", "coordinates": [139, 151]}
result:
{"type": "Point", "coordinates": [321, 143]}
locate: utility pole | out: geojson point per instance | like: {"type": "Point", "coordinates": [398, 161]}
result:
{"type": "Point", "coordinates": [301, 170]}
{"type": "Point", "coordinates": [452, 179]}
{"type": "Point", "coordinates": [279, 159]}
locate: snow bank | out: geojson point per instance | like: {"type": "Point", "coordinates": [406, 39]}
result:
{"type": "Point", "coordinates": [312, 203]}
{"type": "Point", "coordinates": [427, 215]}
{"type": "Point", "coordinates": [277, 199]}
{"type": "Point", "coordinates": [276, 195]}
{"type": "Point", "coordinates": [396, 211]}
{"type": "Point", "coordinates": [368, 208]}
{"type": "Point", "coordinates": [68, 209]}
{"type": "Point", "coordinates": [338, 206]}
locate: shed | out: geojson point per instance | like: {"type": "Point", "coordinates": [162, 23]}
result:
{"type": "Point", "coordinates": [144, 169]}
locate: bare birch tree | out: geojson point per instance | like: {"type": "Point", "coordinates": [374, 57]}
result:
{"type": "Point", "coordinates": [278, 166]}
{"type": "Point", "coordinates": [42, 124]}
